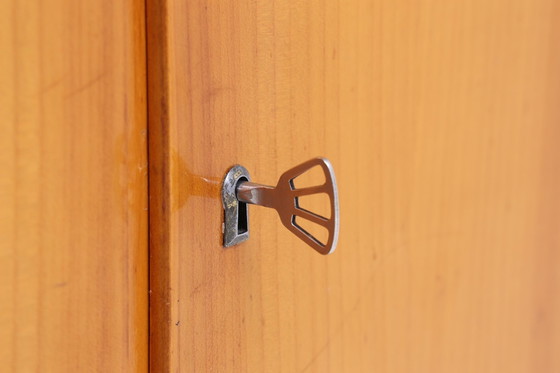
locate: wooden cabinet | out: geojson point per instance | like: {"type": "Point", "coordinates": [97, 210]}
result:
{"type": "Point", "coordinates": [441, 120]}
{"type": "Point", "coordinates": [73, 187]}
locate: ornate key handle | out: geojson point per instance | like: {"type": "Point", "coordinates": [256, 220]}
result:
{"type": "Point", "coordinates": [238, 190]}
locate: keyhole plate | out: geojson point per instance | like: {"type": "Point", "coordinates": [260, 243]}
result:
{"type": "Point", "coordinates": [236, 216]}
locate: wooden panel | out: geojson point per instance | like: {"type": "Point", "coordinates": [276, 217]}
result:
{"type": "Point", "coordinates": [73, 187]}
{"type": "Point", "coordinates": [442, 122]}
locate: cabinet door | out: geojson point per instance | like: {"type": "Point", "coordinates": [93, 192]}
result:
{"type": "Point", "coordinates": [73, 187]}
{"type": "Point", "coordinates": [441, 122]}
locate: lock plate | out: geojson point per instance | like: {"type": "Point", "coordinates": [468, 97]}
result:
{"type": "Point", "coordinates": [236, 216]}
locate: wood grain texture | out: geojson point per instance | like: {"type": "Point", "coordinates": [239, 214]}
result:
{"type": "Point", "coordinates": [73, 187]}
{"type": "Point", "coordinates": [442, 122]}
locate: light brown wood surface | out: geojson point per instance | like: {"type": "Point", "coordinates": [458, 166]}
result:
{"type": "Point", "coordinates": [442, 121]}
{"type": "Point", "coordinates": [73, 187]}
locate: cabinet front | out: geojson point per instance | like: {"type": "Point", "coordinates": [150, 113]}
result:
{"type": "Point", "coordinates": [440, 122]}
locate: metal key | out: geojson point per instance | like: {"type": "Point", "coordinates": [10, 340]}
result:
{"type": "Point", "coordinates": [284, 198]}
